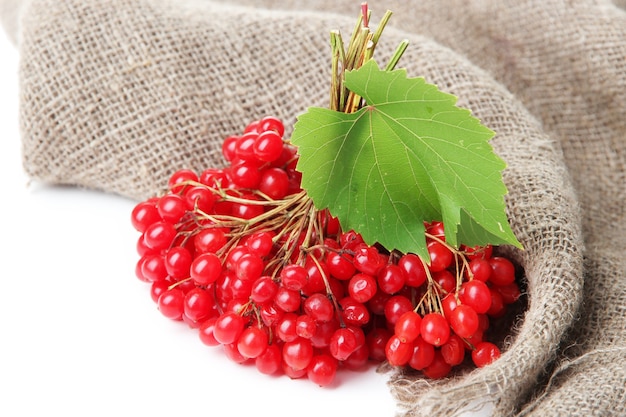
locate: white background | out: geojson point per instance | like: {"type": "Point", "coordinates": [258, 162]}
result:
{"type": "Point", "coordinates": [79, 334]}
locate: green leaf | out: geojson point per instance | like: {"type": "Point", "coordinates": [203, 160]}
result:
{"type": "Point", "coordinates": [409, 155]}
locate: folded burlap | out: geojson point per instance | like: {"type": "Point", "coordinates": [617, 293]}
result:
{"type": "Point", "coordinates": [116, 94]}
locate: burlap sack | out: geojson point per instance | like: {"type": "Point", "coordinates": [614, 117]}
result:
{"type": "Point", "coordinates": [116, 94]}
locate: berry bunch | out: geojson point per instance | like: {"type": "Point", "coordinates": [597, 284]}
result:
{"type": "Point", "coordinates": [242, 255]}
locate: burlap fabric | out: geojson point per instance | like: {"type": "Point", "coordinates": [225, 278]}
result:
{"type": "Point", "coordinates": [116, 94]}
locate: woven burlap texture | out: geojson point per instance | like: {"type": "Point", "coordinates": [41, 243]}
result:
{"type": "Point", "coordinates": [117, 94]}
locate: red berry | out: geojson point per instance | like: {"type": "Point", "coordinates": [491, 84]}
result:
{"type": "Point", "coordinates": [252, 342]}
{"type": "Point", "coordinates": [178, 262]}
{"type": "Point", "coordinates": [287, 300]}
{"type": "Point", "coordinates": [376, 342]}
{"type": "Point", "coordinates": [342, 343]}
{"type": "Point", "coordinates": [398, 353]}
{"type": "Point", "coordinates": [180, 180]}
{"type": "Point", "coordinates": [464, 320]}
{"type": "Point", "coordinates": [367, 259]}
{"type": "Point", "coordinates": [395, 307]}
{"type": "Point", "coordinates": [228, 328]}
{"type": "Point", "coordinates": [263, 289]}
{"type": "Point", "coordinates": [159, 235]}
{"type": "Point", "coordinates": [229, 148]}
{"type": "Point", "coordinates": [206, 269]}
{"type": "Point", "coordinates": [362, 287]}
{"type": "Point", "coordinates": [353, 312]}
{"type": "Point", "coordinates": [274, 183]}
{"type": "Point", "coordinates": [270, 361]}
{"type": "Point", "coordinates": [298, 353]}
{"type": "Point", "coordinates": [171, 207]}
{"type": "Point", "coordinates": [413, 270]}
{"type": "Point", "coordinates": [260, 243]}
{"type": "Point", "coordinates": [270, 123]}
{"type": "Point", "coordinates": [423, 354]}
{"type": "Point", "coordinates": [294, 277]}
{"type": "Point", "coordinates": [435, 329]}
{"type": "Point", "coordinates": [306, 326]}
{"type": "Point", "coordinates": [453, 351]}
{"type": "Point", "coordinates": [484, 353]}
{"type": "Point", "coordinates": [480, 269]}
{"type": "Point", "coordinates": [407, 328]}
{"type": "Point", "coordinates": [319, 307]}
{"type": "Point", "coordinates": [200, 199]}
{"type": "Point", "coordinates": [502, 271]}
{"type": "Point", "coordinates": [340, 265]}
{"type": "Point", "coordinates": [199, 305]}
{"type": "Point", "coordinates": [268, 146]}
{"type": "Point", "coordinates": [210, 240]}
{"type": "Point", "coordinates": [440, 256]}
{"type": "Point", "coordinates": [249, 267]}
{"type": "Point", "coordinates": [143, 215]}
{"type": "Point", "coordinates": [171, 303]}
{"type": "Point", "coordinates": [287, 327]}
{"type": "Point", "coordinates": [322, 369]}
{"type": "Point", "coordinates": [391, 279]}
{"type": "Point", "coordinates": [477, 295]}
{"type": "Point", "coordinates": [438, 368]}
{"type": "Point", "coordinates": [206, 332]}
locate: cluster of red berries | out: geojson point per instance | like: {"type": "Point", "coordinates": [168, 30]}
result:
{"type": "Point", "coordinates": [242, 255]}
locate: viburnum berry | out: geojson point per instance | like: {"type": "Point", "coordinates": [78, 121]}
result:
{"type": "Point", "coordinates": [362, 287]}
{"type": "Point", "coordinates": [294, 277]}
{"type": "Point", "coordinates": [342, 344]}
{"type": "Point", "coordinates": [453, 351]}
{"type": "Point", "coordinates": [407, 328]}
{"type": "Point", "coordinates": [240, 254]}
{"type": "Point", "coordinates": [268, 146]}
{"type": "Point", "coordinates": [413, 269]}
{"type": "Point", "coordinates": [319, 307]}
{"type": "Point", "coordinates": [270, 361]}
{"type": "Point", "coordinates": [422, 355]}
{"type": "Point", "coordinates": [484, 353]}
{"type": "Point", "coordinates": [205, 332]}
{"type": "Point", "coordinates": [210, 240]}
{"type": "Point", "coordinates": [438, 367]}
{"type": "Point", "coordinates": [178, 181]}
{"type": "Point", "coordinates": [206, 269]}
{"type": "Point", "coordinates": [143, 215]}
{"type": "Point", "coordinates": [271, 123]}
{"type": "Point", "coordinates": [502, 271]}
{"type": "Point", "coordinates": [159, 235]}
{"type": "Point", "coordinates": [464, 320]}
{"type": "Point", "coordinates": [440, 256]}
{"type": "Point", "coordinates": [199, 305]}
{"type": "Point", "coordinates": [377, 341]}
{"type": "Point", "coordinates": [395, 307]}
{"type": "Point", "coordinates": [171, 207]}
{"type": "Point", "coordinates": [298, 353]}
{"type": "Point", "coordinates": [274, 183]}
{"type": "Point", "coordinates": [228, 328]}
{"type": "Point", "coordinates": [152, 268]}
{"type": "Point", "coordinates": [435, 329]}
{"type": "Point", "coordinates": [322, 369]}
{"type": "Point", "coordinates": [398, 353]}
{"type": "Point", "coordinates": [391, 279]}
{"type": "Point", "coordinates": [306, 326]}
{"type": "Point", "coordinates": [171, 303]}
{"type": "Point", "coordinates": [252, 342]}
{"type": "Point", "coordinates": [477, 295]}
{"type": "Point", "coordinates": [177, 262]}
{"type": "Point", "coordinates": [263, 289]}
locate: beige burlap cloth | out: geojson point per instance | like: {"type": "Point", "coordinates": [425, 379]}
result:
{"type": "Point", "coordinates": [115, 94]}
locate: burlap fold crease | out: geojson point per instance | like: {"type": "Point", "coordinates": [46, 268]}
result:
{"type": "Point", "coordinates": [116, 94]}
